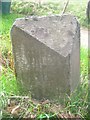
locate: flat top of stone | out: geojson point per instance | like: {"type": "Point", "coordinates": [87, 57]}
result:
{"type": "Point", "coordinates": [57, 32]}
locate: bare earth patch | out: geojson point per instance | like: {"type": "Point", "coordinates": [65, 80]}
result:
{"type": "Point", "coordinates": [24, 107]}
{"type": "Point", "coordinates": [84, 37]}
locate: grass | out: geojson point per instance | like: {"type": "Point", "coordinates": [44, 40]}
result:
{"type": "Point", "coordinates": [77, 103]}
{"type": "Point", "coordinates": [6, 23]}
{"type": "Point", "coordinates": [79, 10]}
{"type": "Point", "coordinates": [75, 7]}
{"type": "Point", "coordinates": [8, 82]}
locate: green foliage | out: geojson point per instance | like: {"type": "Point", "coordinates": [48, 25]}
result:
{"type": "Point", "coordinates": [78, 102]}
{"type": "Point", "coordinates": [8, 82]}
{"type": "Point", "coordinates": [30, 8]}
{"type": "Point", "coordinates": [5, 26]}
{"type": "Point", "coordinates": [84, 63]}
{"type": "Point", "coordinates": [79, 10]}
{"type": "Point", "coordinates": [7, 21]}
{"type": "Point", "coordinates": [75, 7]}
{"type": "Point", "coordinates": [7, 77]}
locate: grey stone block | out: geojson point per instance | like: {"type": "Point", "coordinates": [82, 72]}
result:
{"type": "Point", "coordinates": [47, 55]}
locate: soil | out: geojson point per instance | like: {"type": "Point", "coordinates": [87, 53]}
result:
{"type": "Point", "coordinates": [24, 107]}
{"type": "Point", "coordinates": [84, 37]}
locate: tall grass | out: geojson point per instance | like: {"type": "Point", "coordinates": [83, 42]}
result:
{"type": "Point", "coordinates": [7, 77]}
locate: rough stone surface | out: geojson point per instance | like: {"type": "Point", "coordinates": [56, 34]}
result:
{"type": "Point", "coordinates": [47, 55]}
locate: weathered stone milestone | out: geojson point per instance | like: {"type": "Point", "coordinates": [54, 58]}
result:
{"type": "Point", "coordinates": [47, 55]}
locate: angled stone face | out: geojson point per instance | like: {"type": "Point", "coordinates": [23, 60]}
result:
{"type": "Point", "coordinates": [47, 55]}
